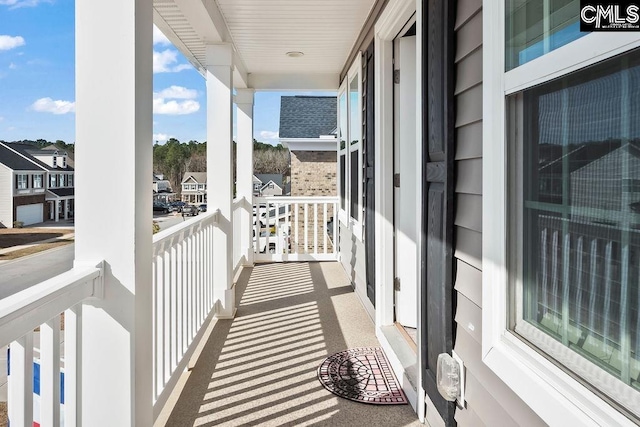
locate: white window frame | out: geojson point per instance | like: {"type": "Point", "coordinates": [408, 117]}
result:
{"type": "Point", "coordinates": [343, 213]}
{"type": "Point", "coordinates": [41, 181]}
{"type": "Point", "coordinates": [25, 180]}
{"type": "Point", "coordinates": [354, 224]}
{"type": "Point", "coordinates": [556, 396]}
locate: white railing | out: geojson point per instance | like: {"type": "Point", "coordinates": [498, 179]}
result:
{"type": "Point", "coordinates": [295, 228]}
{"type": "Point", "coordinates": [241, 233]}
{"type": "Point", "coordinates": [183, 298]}
{"type": "Point", "coordinates": [30, 322]}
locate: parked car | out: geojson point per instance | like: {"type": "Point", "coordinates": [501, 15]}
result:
{"type": "Point", "coordinates": [271, 213]}
{"type": "Point", "coordinates": [177, 205]}
{"type": "Point", "coordinates": [203, 207]}
{"type": "Point", "coordinates": [161, 207]}
{"type": "Point", "coordinates": [189, 210]}
{"type": "Point", "coordinates": [285, 242]}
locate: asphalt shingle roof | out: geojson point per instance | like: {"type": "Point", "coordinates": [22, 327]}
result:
{"type": "Point", "coordinates": [200, 177]}
{"type": "Point", "coordinates": [308, 116]}
{"type": "Point", "coordinates": [266, 177]}
{"type": "Point", "coordinates": [29, 151]}
{"type": "Point", "coordinates": [62, 192]}
{"type": "Point", "coordinates": [15, 161]}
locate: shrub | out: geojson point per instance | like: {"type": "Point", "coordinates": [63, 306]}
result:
{"type": "Point", "coordinates": [156, 227]}
{"type": "Point", "coordinates": [18, 224]}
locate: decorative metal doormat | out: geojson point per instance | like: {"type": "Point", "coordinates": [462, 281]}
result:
{"type": "Point", "coordinates": [362, 375]}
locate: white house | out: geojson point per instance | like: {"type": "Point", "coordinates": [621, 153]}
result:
{"type": "Point", "coordinates": [194, 187]}
{"type": "Point", "coordinates": [454, 237]}
{"type": "Point", "coordinates": [38, 185]}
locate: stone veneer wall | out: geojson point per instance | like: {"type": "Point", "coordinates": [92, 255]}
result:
{"type": "Point", "coordinates": [313, 173]}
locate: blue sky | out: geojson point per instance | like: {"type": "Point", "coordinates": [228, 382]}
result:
{"type": "Point", "coordinates": [37, 80]}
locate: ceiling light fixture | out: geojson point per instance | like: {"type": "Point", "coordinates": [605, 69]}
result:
{"type": "Point", "coordinates": [294, 54]}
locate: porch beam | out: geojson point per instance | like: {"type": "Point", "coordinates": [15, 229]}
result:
{"type": "Point", "coordinates": [291, 81]}
{"type": "Point", "coordinates": [114, 94]}
{"type": "Point", "coordinates": [244, 175]}
{"type": "Point", "coordinates": [220, 170]}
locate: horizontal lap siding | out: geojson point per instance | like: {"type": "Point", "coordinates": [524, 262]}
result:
{"type": "Point", "coordinates": [489, 401]}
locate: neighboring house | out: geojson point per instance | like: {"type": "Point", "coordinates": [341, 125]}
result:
{"type": "Point", "coordinates": [268, 185]}
{"type": "Point", "coordinates": [308, 129]}
{"type": "Point", "coordinates": [42, 190]}
{"type": "Point", "coordinates": [194, 187]}
{"type": "Point", "coordinates": [162, 191]}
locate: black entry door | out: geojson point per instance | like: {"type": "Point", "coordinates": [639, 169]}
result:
{"type": "Point", "coordinates": [437, 305]}
{"type": "Point", "coordinates": [369, 179]}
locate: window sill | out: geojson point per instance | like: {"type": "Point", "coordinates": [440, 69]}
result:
{"type": "Point", "coordinates": [552, 393]}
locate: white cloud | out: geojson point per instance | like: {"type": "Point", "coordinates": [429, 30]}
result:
{"type": "Point", "coordinates": [270, 136]}
{"type": "Point", "coordinates": [175, 108]}
{"type": "Point", "coordinates": [48, 105]}
{"type": "Point", "coordinates": [12, 66]}
{"type": "Point", "coordinates": [160, 137]}
{"type": "Point", "coordinates": [9, 42]}
{"type": "Point", "coordinates": [16, 4]}
{"type": "Point", "coordinates": [1, 119]}
{"type": "Point", "coordinates": [177, 92]}
{"type": "Point", "coordinates": [159, 37]}
{"type": "Point", "coordinates": [167, 62]}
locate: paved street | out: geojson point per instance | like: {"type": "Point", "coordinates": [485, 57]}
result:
{"type": "Point", "coordinates": [30, 270]}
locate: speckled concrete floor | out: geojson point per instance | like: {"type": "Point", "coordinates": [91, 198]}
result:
{"type": "Point", "coordinates": [260, 368]}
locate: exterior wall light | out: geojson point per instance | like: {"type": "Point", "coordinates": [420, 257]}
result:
{"type": "Point", "coordinates": [450, 378]}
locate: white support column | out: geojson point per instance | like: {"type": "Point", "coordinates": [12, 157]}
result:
{"type": "Point", "coordinates": [66, 209]}
{"type": "Point", "coordinates": [114, 93]}
{"type": "Point", "coordinates": [57, 211]}
{"type": "Point", "coordinates": [244, 165]}
{"type": "Point", "coordinates": [220, 170]}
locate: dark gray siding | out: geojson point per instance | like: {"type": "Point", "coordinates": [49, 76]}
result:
{"type": "Point", "coordinates": [489, 401]}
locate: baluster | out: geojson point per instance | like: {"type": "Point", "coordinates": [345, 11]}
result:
{"type": "Point", "coordinates": [593, 285]}
{"type": "Point", "coordinates": [287, 229]}
{"type": "Point", "coordinates": [21, 381]}
{"type": "Point", "coordinates": [335, 228]}
{"type": "Point", "coordinates": [72, 363]}
{"type": "Point", "coordinates": [566, 264]}
{"type": "Point", "coordinates": [166, 303]}
{"type": "Point", "coordinates": [324, 227]}
{"type": "Point", "coordinates": [608, 267]}
{"type": "Point", "coordinates": [50, 372]}
{"type": "Point", "coordinates": [296, 226]}
{"type": "Point", "coordinates": [579, 272]}
{"type": "Point", "coordinates": [554, 275]}
{"type": "Point", "coordinates": [545, 277]}
{"type": "Point", "coordinates": [277, 231]}
{"type": "Point", "coordinates": [315, 228]}
{"type": "Point", "coordinates": [306, 228]}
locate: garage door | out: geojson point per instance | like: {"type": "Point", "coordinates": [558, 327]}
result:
{"type": "Point", "coordinates": [29, 214]}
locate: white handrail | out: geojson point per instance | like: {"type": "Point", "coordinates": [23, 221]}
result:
{"type": "Point", "coordinates": [26, 310]}
{"type": "Point", "coordinates": [171, 236]}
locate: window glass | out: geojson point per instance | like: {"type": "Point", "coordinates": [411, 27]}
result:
{"type": "Point", "coordinates": [534, 28]}
{"type": "Point", "coordinates": [579, 215]}
{"type": "Point", "coordinates": [343, 186]}
{"type": "Point", "coordinates": [22, 182]}
{"type": "Point", "coordinates": [37, 181]}
{"type": "Point", "coordinates": [343, 120]}
{"type": "Point", "coordinates": [354, 185]}
{"type": "Point", "coordinates": [355, 127]}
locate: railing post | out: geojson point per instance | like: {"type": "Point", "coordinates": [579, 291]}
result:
{"type": "Point", "coordinates": [220, 171]}
{"type": "Point", "coordinates": [114, 93]}
{"type": "Point", "coordinates": [244, 170]}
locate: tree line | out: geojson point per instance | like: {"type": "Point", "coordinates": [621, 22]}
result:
{"type": "Point", "coordinates": [174, 158]}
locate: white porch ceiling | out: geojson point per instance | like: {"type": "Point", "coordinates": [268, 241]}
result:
{"type": "Point", "coordinates": [263, 31]}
